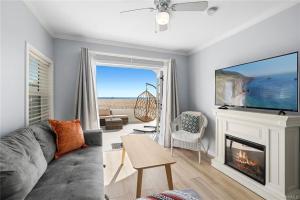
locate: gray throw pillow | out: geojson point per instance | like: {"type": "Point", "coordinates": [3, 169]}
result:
{"type": "Point", "coordinates": [190, 123]}
{"type": "Point", "coordinates": [22, 163]}
{"type": "Point", "coordinates": [46, 137]}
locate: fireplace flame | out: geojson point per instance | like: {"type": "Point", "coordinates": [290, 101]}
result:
{"type": "Point", "coordinates": [242, 158]}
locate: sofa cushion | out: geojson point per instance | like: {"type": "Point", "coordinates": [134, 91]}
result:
{"type": "Point", "coordinates": [93, 137]}
{"type": "Point", "coordinates": [69, 136]}
{"type": "Point", "coordinates": [75, 176]}
{"type": "Point", "coordinates": [22, 163]}
{"type": "Point", "coordinates": [46, 137]}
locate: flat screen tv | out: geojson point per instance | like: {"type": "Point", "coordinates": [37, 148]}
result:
{"type": "Point", "coordinates": [270, 83]}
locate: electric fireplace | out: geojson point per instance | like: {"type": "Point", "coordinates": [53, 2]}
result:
{"type": "Point", "coordinates": [246, 157]}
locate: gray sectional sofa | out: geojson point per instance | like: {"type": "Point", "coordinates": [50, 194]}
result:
{"type": "Point", "coordinates": [28, 169]}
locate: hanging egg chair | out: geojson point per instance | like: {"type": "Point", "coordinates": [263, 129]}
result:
{"type": "Point", "coordinates": [146, 106]}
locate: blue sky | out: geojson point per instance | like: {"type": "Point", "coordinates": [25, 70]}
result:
{"type": "Point", "coordinates": [278, 65]}
{"type": "Point", "coordinates": [123, 82]}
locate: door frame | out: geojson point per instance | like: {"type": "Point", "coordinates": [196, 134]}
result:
{"type": "Point", "coordinates": [157, 69]}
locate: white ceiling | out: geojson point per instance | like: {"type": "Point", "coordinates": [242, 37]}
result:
{"type": "Point", "coordinates": [189, 31]}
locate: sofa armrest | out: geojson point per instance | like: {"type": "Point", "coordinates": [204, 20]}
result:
{"type": "Point", "coordinates": [93, 137]}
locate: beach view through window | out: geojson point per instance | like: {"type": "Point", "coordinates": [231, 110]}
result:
{"type": "Point", "coordinates": [119, 87]}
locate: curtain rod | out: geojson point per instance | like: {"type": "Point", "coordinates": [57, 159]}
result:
{"type": "Point", "coordinates": [128, 56]}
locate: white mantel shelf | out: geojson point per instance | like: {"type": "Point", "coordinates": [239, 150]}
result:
{"type": "Point", "coordinates": [279, 134]}
{"type": "Point", "coordinates": [265, 118]}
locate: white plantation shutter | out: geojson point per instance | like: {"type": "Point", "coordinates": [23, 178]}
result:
{"type": "Point", "coordinates": [39, 88]}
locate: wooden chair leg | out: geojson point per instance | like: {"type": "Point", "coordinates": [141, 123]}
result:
{"type": "Point", "coordinates": [199, 157]}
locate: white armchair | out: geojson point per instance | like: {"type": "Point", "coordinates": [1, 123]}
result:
{"type": "Point", "coordinates": [187, 131]}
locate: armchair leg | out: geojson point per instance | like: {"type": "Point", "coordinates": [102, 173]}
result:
{"type": "Point", "coordinates": [199, 157]}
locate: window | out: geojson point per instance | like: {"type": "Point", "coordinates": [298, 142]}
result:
{"type": "Point", "coordinates": [39, 87]}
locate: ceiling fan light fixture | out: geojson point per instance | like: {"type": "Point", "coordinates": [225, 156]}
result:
{"type": "Point", "coordinates": [162, 18]}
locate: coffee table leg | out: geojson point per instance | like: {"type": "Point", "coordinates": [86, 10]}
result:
{"type": "Point", "coordinates": [139, 183]}
{"type": "Point", "coordinates": [169, 176]}
{"type": "Point", "coordinates": [123, 156]}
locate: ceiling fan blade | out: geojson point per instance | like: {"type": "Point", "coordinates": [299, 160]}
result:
{"type": "Point", "coordinates": [125, 11]}
{"type": "Point", "coordinates": [190, 6]}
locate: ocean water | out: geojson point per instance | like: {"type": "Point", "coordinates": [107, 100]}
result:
{"type": "Point", "coordinates": [275, 91]}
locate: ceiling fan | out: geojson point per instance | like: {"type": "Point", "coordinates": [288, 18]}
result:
{"type": "Point", "coordinates": [164, 8]}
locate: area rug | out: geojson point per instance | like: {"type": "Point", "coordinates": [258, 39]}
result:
{"type": "Point", "coordinates": [188, 194]}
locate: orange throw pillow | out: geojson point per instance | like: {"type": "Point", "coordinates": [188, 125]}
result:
{"type": "Point", "coordinates": [69, 136]}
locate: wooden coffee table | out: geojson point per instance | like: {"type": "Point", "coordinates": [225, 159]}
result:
{"type": "Point", "coordinates": [144, 153]}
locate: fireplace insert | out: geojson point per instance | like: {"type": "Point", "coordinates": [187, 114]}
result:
{"type": "Point", "coordinates": [246, 157]}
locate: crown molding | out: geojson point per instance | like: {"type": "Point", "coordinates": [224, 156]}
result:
{"type": "Point", "coordinates": [119, 44]}
{"type": "Point", "coordinates": [189, 52]}
{"type": "Point", "coordinates": [40, 20]}
{"type": "Point", "coordinates": [98, 41]}
{"type": "Point", "coordinates": [244, 26]}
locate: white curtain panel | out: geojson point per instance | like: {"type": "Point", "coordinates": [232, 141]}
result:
{"type": "Point", "coordinates": [172, 104]}
{"type": "Point", "coordinates": [86, 98]}
{"type": "Point", "coordinates": [94, 71]}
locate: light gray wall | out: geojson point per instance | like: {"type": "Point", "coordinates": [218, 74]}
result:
{"type": "Point", "coordinates": [67, 57]}
{"type": "Point", "coordinates": [17, 26]}
{"type": "Point", "coordinates": [277, 35]}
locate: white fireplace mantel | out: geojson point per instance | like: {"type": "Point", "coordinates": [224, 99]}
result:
{"type": "Point", "coordinates": [279, 135]}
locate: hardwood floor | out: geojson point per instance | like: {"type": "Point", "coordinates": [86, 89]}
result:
{"type": "Point", "coordinates": [120, 182]}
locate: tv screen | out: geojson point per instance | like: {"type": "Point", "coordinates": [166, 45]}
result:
{"type": "Point", "coordinates": [271, 83]}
